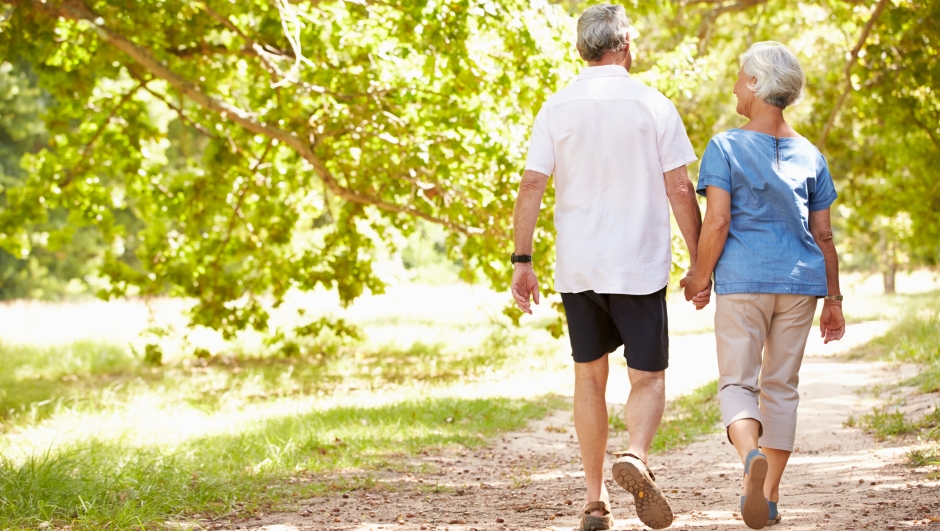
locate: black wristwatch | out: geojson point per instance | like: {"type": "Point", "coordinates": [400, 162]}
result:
{"type": "Point", "coordinates": [520, 258]}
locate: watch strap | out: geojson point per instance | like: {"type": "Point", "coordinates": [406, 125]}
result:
{"type": "Point", "coordinates": [520, 258]}
{"type": "Point", "coordinates": [833, 297]}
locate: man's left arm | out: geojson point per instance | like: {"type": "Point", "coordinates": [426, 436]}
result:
{"type": "Point", "coordinates": [524, 219]}
{"type": "Point", "coordinates": [681, 195]}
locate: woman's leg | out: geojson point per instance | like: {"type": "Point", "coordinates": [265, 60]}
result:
{"type": "Point", "coordinates": [776, 463]}
{"type": "Point", "coordinates": [744, 434]}
{"type": "Point", "coordinates": [741, 324]}
{"type": "Point", "coordinates": [780, 377]}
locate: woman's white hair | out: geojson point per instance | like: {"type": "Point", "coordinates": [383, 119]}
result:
{"type": "Point", "coordinates": [602, 28]}
{"type": "Point", "coordinates": [780, 78]}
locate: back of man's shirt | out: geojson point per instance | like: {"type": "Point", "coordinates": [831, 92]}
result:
{"type": "Point", "coordinates": [608, 139]}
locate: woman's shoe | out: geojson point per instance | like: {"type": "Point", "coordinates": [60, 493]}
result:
{"type": "Point", "coordinates": [774, 516]}
{"type": "Point", "coordinates": [754, 507]}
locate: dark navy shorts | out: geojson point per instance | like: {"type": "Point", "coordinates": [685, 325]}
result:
{"type": "Point", "coordinates": [599, 323]}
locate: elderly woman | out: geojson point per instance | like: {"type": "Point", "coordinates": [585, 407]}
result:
{"type": "Point", "coordinates": [767, 237]}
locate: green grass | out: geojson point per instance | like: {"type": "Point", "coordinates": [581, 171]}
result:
{"type": "Point", "coordinates": [883, 424]}
{"type": "Point", "coordinates": [37, 382]}
{"type": "Point", "coordinates": [93, 437]}
{"type": "Point", "coordinates": [688, 417]}
{"type": "Point", "coordinates": [915, 338]}
{"type": "Point", "coordinates": [685, 418]}
{"type": "Point", "coordinates": [106, 482]}
{"type": "Point", "coordinates": [925, 456]}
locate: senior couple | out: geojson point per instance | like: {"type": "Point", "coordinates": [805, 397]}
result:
{"type": "Point", "coordinates": [618, 152]}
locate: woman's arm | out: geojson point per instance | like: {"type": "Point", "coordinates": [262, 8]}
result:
{"type": "Point", "coordinates": [831, 321]}
{"type": "Point", "coordinates": [712, 241]}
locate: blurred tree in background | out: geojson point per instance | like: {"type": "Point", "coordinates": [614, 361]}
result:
{"type": "Point", "coordinates": [230, 152]}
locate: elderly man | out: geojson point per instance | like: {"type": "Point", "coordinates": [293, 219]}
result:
{"type": "Point", "coordinates": [618, 151]}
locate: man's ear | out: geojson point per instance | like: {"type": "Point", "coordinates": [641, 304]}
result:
{"type": "Point", "coordinates": [627, 56]}
{"type": "Point", "coordinates": [581, 55]}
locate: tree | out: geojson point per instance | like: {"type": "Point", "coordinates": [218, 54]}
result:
{"type": "Point", "coordinates": [887, 140]}
{"type": "Point", "coordinates": [61, 256]}
{"type": "Point", "coordinates": [323, 127]}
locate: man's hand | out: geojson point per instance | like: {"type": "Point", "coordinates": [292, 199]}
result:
{"type": "Point", "coordinates": [831, 322]}
{"type": "Point", "coordinates": [699, 291]}
{"type": "Point", "coordinates": [524, 284]}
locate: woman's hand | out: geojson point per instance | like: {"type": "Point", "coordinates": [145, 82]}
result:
{"type": "Point", "coordinates": [831, 322]}
{"type": "Point", "coordinates": [697, 290]}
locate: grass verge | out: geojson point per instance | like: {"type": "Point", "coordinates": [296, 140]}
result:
{"type": "Point", "coordinates": [687, 417]}
{"type": "Point", "coordinates": [107, 484]}
{"type": "Point", "coordinates": [914, 339]}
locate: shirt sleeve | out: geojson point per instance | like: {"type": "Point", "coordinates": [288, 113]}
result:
{"type": "Point", "coordinates": [825, 193]}
{"type": "Point", "coordinates": [541, 147]}
{"type": "Point", "coordinates": [675, 148]}
{"type": "Point", "coordinates": [715, 169]}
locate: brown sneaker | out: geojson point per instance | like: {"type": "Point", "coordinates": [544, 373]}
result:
{"type": "Point", "coordinates": [632, 474]}
{"type": "Point", "coordinates": [590, 522]}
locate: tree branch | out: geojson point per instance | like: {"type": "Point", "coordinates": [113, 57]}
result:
{"type": "Point", "coordinates": [104, 124]}
{"type": "Point", "coordinates": [853, 58]}
{"type": "Point", "coordinates": [930, 132]}
{"type": "Point", "coordinates": [77, 11]}
{"type": "Point", "coordinates": [704, 31]}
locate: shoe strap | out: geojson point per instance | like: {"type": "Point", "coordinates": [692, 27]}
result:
{"type": "Point", "coordinates": [750, 456]}
{"type": "Point", "coordinates": [597, 506]}
{"type": "Point", "coordinates": [628, 454]}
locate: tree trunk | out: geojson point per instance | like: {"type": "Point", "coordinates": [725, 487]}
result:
{"type": "Point", "coordinates": [887, 251]}
{"type": "Point", "coordinates": [889, 273]}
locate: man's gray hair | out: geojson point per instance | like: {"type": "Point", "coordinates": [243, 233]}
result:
{"type": "Point", "coordinates": [780, 78]}
{"type": "Point", "coordinates": [602, 28]}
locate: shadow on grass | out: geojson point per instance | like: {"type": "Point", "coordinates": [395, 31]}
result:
{"type": "Point", "coordinates": [102, 483]}
{"type": "Point", "coordinates": [37, 383]}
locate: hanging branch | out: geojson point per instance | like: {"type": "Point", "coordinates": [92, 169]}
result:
{"type": "Point", "coordinates": [77, 11]}
{"type": "Point", "coordinates": [853, 58]}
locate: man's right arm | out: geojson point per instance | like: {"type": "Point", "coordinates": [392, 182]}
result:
{"type": "Point", "coordinates": [524, 219]}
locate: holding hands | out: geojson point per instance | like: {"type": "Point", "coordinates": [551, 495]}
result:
{"type": "Point", "coordinates": [697, 290]}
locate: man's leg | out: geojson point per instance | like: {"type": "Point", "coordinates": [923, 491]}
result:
{"type": "Point", "coordinates": [590, 422]}
{"type": "Point", "coordinates": [644, 410]}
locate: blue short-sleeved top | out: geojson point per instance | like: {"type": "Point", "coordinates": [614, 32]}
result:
{"type": "Point", "coordinates": [774, 184]}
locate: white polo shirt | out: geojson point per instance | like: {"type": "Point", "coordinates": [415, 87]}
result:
{"type": "Point", "coordinates": [608, 139]}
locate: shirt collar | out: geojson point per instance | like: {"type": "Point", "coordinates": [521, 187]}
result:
{"type": "Point", "coordinates": [603, 71]}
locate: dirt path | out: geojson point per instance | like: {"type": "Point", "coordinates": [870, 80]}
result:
{"type": "Point", "coordinates": [839, 478]}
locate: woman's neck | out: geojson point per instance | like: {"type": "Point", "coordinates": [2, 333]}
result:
{"type": "Point", "coordinates": [768, 119]}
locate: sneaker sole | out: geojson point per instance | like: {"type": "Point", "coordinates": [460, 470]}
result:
{"type": "Point", "coordinates": [651, 505]}
{"type": "Point", "coordinates": [756, 512]}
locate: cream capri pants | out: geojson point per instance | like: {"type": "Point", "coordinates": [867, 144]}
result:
{"type": "Point", "coordinates": [761, 338]}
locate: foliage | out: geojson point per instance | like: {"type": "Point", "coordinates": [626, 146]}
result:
{"type": "Point", "coordinates": [231, 151]}
{"type": "Point", "coordinates": [60, 255]}
{"type": "Point", "coordinates": [225, 151]}
{"type": "Point", "coordinates": [887, 140]}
